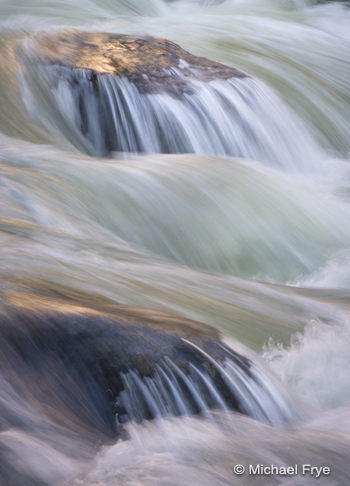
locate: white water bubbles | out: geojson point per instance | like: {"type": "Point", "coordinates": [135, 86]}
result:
{"type": "Point", "coordinates": [315, 367]}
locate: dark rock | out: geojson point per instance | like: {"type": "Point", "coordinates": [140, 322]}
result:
{"type": "Point", "coordinates": [68, 360]}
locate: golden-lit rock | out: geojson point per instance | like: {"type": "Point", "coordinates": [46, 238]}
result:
{"type": "Point", "coordinates": [152, 64]}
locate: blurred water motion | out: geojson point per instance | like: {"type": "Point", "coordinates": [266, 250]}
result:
{"type": "Point", "coordinates": [228, 205]}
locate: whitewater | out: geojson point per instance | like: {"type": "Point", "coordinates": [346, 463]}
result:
{"type": "Point", "coordinates": [229, 206]}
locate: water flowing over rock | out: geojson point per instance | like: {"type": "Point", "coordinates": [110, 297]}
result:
{"type": "Point", "coordinates": [112, 94]}
{"type": "Point", "coordinates": [135, 94]}
{"type": "Point", "coordinates": [146, 194]}
{"type": "Point", "coordinates": [92, 355]}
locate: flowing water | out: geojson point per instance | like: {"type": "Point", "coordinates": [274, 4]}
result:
{"type": "Point", "coordinates": [230, 206]}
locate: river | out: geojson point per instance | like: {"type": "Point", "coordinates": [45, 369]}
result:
{"type": "Point", "coordinates": [235, 213]}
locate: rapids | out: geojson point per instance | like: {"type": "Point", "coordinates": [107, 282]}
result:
{"type": "Point", "coordinates": [230, 206]}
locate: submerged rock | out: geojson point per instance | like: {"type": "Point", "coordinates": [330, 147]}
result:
{"type": "Point", "coordinates": [153, 65]}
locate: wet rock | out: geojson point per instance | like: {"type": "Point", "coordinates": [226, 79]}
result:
{"type": "Point", "coordinates": [153, 65]}
{"type": "Point", "coordinates": [68, 361]}
{"type": "Point", "coordinates": [111, 93]}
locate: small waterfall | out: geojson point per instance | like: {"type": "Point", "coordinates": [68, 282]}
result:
{"type": "Point", "coordinates": [172, 392]}
{"type": "Point", "coordinates": [238, 117]}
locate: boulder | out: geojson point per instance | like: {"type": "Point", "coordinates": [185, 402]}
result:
{"type": "Point", "coordinates": [70, 360]}
{"type": "Point", "coordinates": [153, 65]}
{"type": "Point", "coordinates": [112, 93]}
